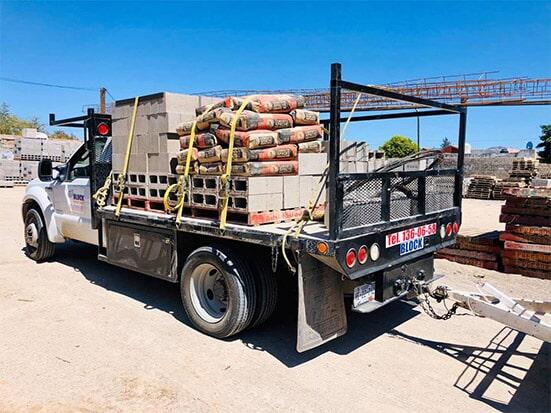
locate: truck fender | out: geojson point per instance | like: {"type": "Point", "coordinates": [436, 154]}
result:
{"type": "Point", "coordinates": [38, 196]}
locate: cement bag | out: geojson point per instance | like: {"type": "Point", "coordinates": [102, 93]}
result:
{"type": "Point", "coordinates": [182, 155]}
{"type": "Point", "coordinates": [271, 103]}
{"type": "Point", "coordinates": [201, 141]}
{"type": "Point", "coordinates": [251, 140]}
{"type": "Point", "coordinates": [300, 134]}
{"type": "Point", "coordinates": [280, 153]}
{"type": "Point", "coordinates": [193, 168]}
{"type": "Point", "coordinates": [305, 117]}
{"type": "Point", "coordinates": [310, 147]}
{"type": "Point", "coordinates": [240, 155]}
{"type": "Point", "coordinates": [266, 168]}
{"type": "Point", "coordinates": [220, 104]}
{"type": "Point", "coordinates": [250, 120]}
{"type": "Point", "coordinates": [211, 168]}
{"type": "Point", "coordinates": [185, 128]}
{"type": "Point", "coordinates": [210, 155]}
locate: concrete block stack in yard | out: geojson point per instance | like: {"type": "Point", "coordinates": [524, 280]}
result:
{"type": "Point", "coordinates": [524, 170]}
{"type": "Point", "coordinates": [527, 238]}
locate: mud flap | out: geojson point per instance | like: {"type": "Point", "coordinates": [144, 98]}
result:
{"type": "Point", "coordinates": [321, 312]}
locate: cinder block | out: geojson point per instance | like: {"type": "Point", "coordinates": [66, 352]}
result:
{"type": "Point", "coordinates": [291, 192]}
{"type": "Point", "coordinates": [257, 185]}
{"type": "Point", "coordinates": [309, 187]}
{"type": "Point", "coordinates": [255, 203]}
{"type": "Point", "coordinates": [137, 162]}
{"type": "Point", "coordinates": [311, 163]}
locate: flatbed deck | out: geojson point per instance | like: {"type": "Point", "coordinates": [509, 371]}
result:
{"type": "Point", "coordinates": [266, 234]}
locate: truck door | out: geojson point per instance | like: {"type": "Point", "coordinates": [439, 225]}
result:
{"type": "Point", "coordinates": [72, 199]}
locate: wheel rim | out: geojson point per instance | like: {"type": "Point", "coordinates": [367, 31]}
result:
{"type": "Point", "coordinates": [209, 292]}
{"type": "Point", "coordinates": [32, 231]}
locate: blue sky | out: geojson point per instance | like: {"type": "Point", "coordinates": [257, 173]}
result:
{"type": "Point", "coordinates": [134, 48]}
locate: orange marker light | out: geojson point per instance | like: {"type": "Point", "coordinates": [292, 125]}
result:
{"type": "Point", "coordinates": [322, 247]}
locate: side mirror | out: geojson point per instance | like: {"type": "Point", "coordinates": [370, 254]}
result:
{"type": "Point", "coordinates": [45, 170]}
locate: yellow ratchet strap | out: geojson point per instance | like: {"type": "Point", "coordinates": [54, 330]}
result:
{"type": "Point", "coordinates": [101, 194]}
{"type": "Point", "coordinates": [122, 176]}
{"type": "Point", "coordinates": [183, 183]}
{"type": "Point", "coordinates": [224, 179]}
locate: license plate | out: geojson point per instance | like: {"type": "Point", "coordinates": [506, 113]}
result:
{"type": "Point", "coordinates": [364, 294]}
{"type": "Point", "coordinates": [410, 234]}
{"type": "Point", "coordinates": [413, 245]}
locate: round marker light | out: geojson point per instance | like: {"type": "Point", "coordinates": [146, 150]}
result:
{"type": "Point", "coordinates": [374, 252]}
{"type": "Point", "coordinates": [455, 227]}
{"type": "Point", "coordinates": [322, 248]}
{"type": "Point", "coordinates": [350, 258]}
{"type": "Point", "coordinates": [442, 231]}
{"type": "Point", "coordinates": [448, 229]}
{"type": "Point", "coordinates": [362, 254]}
{"type": "Point", "coordinates": [103, 129]}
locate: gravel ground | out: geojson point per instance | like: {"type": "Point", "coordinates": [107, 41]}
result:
{"type": "Point", "coordinates": [80, 335]}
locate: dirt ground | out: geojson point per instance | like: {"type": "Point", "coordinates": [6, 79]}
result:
{"type": "Point", "coordinates": [80, 335]}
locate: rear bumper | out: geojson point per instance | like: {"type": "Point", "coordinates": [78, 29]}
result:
{"type": "Point", "coordinates": [391, 255]}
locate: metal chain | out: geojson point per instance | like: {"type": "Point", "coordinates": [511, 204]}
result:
{"type": "Point", "coordinates": [439, 294]}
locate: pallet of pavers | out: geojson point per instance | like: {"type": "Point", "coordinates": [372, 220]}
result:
{"type": "Point", "coordinates": [527, 237]}
{"type": "Point", "coordinates": [480, 250]}
{"type": "Point", "coordinates": [481, 187]}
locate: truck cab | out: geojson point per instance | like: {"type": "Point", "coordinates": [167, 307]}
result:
{"type": "Point", "coordinates": [58, 205]}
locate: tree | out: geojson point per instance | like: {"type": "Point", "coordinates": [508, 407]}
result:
{"type": "Point", "coordinates": [11, 124]}
{"type": "Point", "coordinates": [445, 142]}
{"type": "Point", "coordinates": [545, 143]}
{"type": "Point", "coordinates": [59, 134]}
{"type": "Point", "coordinates": [399, 146]}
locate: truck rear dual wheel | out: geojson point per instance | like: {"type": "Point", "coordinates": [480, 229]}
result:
{"type": "Point", "coordinates": [37, 245]}
{"type": "Point", "coordinates": [223, 293]}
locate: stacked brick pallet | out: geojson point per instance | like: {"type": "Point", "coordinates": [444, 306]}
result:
{"type": "Point", "coordinates": [482, 250]}
{"type": "Point", "coordinates": [481, 187]}
{"type": "Point", "coordinates": [33, 149]}
{"type": "Point", "coordinates": [527, 238]}
{"type": "Point", "coordinates": [524, 170]}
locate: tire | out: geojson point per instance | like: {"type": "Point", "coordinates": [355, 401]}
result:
{"type": "Point", "coordinates": [266, 292]}
{"type": "Point", "coordinates": [218, 291]}
{"type": "Point", "coordinates": [37, 245]}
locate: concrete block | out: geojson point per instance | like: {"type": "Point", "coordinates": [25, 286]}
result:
{"type": "Point", "coordinates": [311, 163]}
{"type": "Point", "coordinates": [137, 162]}
{"type": "Point", "coordinates": [256, 203]}
{"type": "Point", "coordinates": [309, 188]}
{"type": "Point", "coordinates": [117, 160]}
{"type": "Point", "coordinates": [257, 185]}
{"type": "Point", "coordinates": [291, 192]}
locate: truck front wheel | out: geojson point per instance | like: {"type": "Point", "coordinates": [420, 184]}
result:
{"type": "Point", "coordinates": [37, 245]}
{"type": "Point", "coordinates": [218, 291]}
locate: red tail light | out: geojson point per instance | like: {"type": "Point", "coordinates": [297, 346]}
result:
{"type": "Point", "coordinates": [362, 254]}
{"type": "Point", "coordinates": [448, 229]}
{"type": "Point", "coordinates": [103, 129]}
{"type": "Point", "coordinates": [455, 227]}
{"type": "Point", "coordinates": [351, 258]}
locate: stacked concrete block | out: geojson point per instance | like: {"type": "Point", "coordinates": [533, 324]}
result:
{"type": "Point", "coordinates": [155, 142]}
{"type": "Point", "coordinates": [10, 170]}
{"type": "Point", "coordinates": [28, 170]}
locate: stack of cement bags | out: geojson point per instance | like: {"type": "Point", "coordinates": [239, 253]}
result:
{"type": "Point", "coordinates": [270, 133]}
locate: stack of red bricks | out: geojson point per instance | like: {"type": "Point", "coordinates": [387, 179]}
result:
{"type": "Point", "coordinates": [527, 238]}
{"type": "Point", "coordinates": [481, 250]}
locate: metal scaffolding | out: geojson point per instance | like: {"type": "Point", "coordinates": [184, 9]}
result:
{"type": "Point", "coordinates": [473, 89]}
